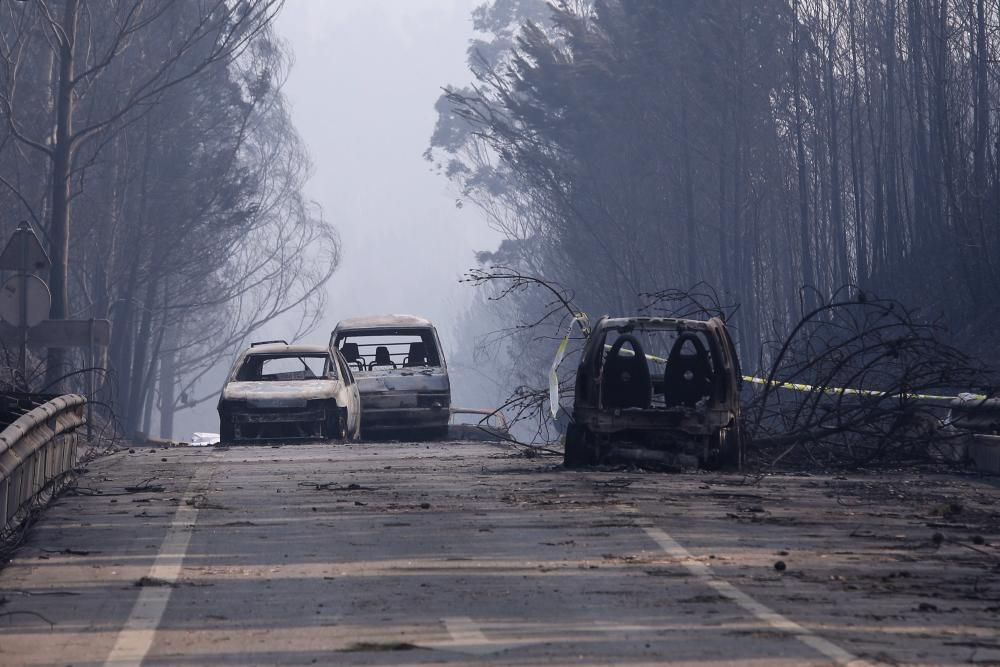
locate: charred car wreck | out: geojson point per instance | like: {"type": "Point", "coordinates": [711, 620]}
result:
{"type": "Point", "coordinates": [661, 391]}
{"type": "Point", "coordinates": [281, 392]}
{"type": "Point", "coordinates": [401, 373]}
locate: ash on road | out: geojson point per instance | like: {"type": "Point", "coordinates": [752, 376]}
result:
{"type": "Point", "coordinates": [449, 553]}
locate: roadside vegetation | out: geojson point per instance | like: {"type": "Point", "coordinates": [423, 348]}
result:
{"type": "Point", "coordinates": [788, 153]}
{"type": "Point", "coordinates": [149, 146]}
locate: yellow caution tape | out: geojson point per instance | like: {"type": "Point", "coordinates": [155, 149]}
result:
{"type": "Point", "coordinates": [796, 386]}
{"type": "Point", "coordinates": [857, 392]}
{"type": "Point", "coordinates": [560, 353]}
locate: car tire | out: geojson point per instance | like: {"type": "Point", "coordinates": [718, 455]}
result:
{"type": "Point", "coordinates": [580, 449]}
{"type": "Point", "coordinates": [336, 425]}
{"type": "Point", "coordinates": [725, 449]}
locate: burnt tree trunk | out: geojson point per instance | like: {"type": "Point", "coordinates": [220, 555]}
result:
{"type": "Point", "coordinates": [62, 159]}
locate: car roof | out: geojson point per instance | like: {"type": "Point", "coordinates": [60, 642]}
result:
{"type": "Point", "coordinates": [652, 322]}
{"type": "Point", "coordinates": [384, 322]}
{"type": "Point", "coordinates": [282, 348]}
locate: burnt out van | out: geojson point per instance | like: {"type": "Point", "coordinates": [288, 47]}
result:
{"type": "Point", "coordinates": [401, 373]}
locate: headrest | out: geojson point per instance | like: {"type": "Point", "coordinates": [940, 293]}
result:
{"type": "Point", "coordinates": [350, 351]}
{"type": "Point", "coordinates": [418, 355]}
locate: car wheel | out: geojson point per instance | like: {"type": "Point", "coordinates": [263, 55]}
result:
{"type": "Point", "coordinates": [725, 449]}
{"type": "Point", "coordinates": [336, 425]}
{"type": "Point", "coordinates": [580, 449]}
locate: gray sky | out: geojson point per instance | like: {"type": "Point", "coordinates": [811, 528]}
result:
{"type": "Point", "coordinates": [362, 91]}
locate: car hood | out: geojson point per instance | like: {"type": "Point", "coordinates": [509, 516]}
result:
{"type": "Point", "coordinates": [275, 391]}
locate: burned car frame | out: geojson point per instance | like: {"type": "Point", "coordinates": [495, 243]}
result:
{"type": "Point", "coordinates": [281, 392]}
{"type": "Point", "coordinates": [402, 374]}
{"type": "Point", "coordinates": [677, 410]}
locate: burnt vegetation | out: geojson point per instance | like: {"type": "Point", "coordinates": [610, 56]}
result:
{"type": "Point", "coordinates": [149, 145]}
{"type": "Point", "coordinates": [858, 382]}
{"type": "Point", "coordinates": [861, 381]}
{"type": "Point", "coordinates": [767, 153]}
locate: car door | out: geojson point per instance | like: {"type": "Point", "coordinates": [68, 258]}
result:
{"type": "Point", "coordinates": [734, 381]}
{"type": "Point", "coordinates": [353, 397]}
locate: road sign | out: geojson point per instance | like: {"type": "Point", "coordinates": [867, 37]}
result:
{"type": "Point", "coordinates": [24, 252]}
{"type": "Point", "coordinates": [36, 301]}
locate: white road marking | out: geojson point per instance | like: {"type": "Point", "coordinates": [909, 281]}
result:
{"type": "Point", "coordinates": [136, 637]}
{"type": "Point", "coordinates": [468, 638]}
{"type": "Point", "coordinates": [464, 631]}
{"type": "Point", "coordinates": [761, 611]}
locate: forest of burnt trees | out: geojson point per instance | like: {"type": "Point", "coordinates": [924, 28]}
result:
{"type": "Point", "coordinates": [776, 150]}
{"type": "Point", "coordinates": [148, 144]}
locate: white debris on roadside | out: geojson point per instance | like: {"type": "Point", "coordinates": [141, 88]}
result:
{"type": "Point", "coordinates": [204, 439]}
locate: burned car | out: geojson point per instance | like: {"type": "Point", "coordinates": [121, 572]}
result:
{"type": "Point", "coordinates": [657, 390]}
{"type": "Point", "coordinates": [401, 372]}
{"type": "Point", "coordinates": [280, 392]}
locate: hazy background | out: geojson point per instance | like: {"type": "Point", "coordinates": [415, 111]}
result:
{"type": "Point", "coordinates": [361, 93]}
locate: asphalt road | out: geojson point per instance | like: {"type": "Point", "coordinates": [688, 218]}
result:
{"type": "Point", "coordinates": [448, 553]}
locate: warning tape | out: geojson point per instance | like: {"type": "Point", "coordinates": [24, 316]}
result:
{"type": "Point", "coordinates": [580, 318]}
{"type": "Point", "coordinates": [797, 386]}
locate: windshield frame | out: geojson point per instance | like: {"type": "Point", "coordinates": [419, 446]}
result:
{"type": "Point", "coordinates": [427, 334]}
{"type": "Point", "coordinates": [330, 371]}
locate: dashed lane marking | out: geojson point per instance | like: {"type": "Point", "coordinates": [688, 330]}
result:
{"type": "Point", "coordinates": [136, 637]}
{"type": "Point", "coordinates": [760, 611]}
{"type": "Point", "coordinates": [468, 638]}
{"type": "Point", "coordinates": [463, 630]}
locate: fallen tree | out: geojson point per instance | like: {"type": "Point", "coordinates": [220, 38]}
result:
{"type": "Point", "coordinates": [859, 381]}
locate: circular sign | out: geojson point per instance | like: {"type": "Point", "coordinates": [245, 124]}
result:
{"type": "Point", "coordinates": [36, 294]}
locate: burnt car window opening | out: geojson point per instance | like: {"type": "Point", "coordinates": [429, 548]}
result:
{"type": "Point", "coordinates": [679, 364]}
{"type": "Point", "coordinates": [389, 348]}
{"type": "Point", "coordinates": [275, 367]}
{"type": "Point", "coordinates": [627, 381]}
{"type": "Point", "coordinates": [687, 378]}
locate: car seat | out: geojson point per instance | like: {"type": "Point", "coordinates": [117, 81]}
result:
{"type": "Point", "coordinates": [626, 382]}
{"type": "Point", "coordinates": [688, 376]}
{"type": "Point", "coordinates": [352, 355]}
{"type": "Point", "coordinates": [417, 355]}
{"type": "Point", "coordinates": [382, 358]}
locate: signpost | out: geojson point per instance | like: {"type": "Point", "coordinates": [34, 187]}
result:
{"type": "Point", "coordinates": [24, 307]}
{"type": "Point", "coordinates": [24, 299]}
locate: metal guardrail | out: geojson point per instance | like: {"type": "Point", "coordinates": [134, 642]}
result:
{"type": "Point", "coordinates": [485, 413]}
{"type": "Point", "coordinates": [980, 419]}
{"type": "Point", "coordinates": [984, 452]}
{"type": "Point", "coordinates": [976, 414]}
{"type": "Point", "coordinates": [36, 452]}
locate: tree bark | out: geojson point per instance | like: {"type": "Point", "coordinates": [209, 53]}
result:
{"type": "Point", "coordinates": [62, 159]}
{"type": "Point", "coordinates": [808, 274]}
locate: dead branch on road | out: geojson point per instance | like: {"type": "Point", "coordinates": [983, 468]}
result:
{"type": "Point", "coordinates": [854, 385]}
{"type": "Point", "coordinates": [528, 406]}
